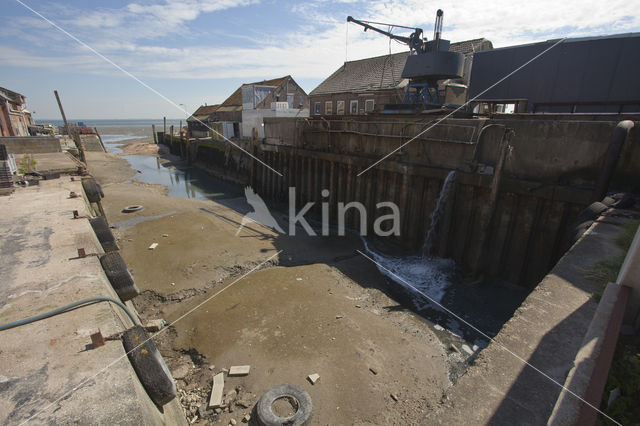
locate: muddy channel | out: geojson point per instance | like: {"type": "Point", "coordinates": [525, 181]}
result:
{"type": "Point", "coordinates": [287, 306]}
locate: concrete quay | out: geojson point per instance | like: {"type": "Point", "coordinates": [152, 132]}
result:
{"type": "Point", "coordinates": [49, 371]}
{"type": "Point", "coordinates": [523, 375]}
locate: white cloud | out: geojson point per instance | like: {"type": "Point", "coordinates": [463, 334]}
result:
{"type": "Point", "coordinates": [316, 47]}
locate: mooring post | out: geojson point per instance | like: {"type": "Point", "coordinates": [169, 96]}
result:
{"type": "Point", "coordinates": [155, 135]}
{"type": "Point", "coordinates": [164, 131]}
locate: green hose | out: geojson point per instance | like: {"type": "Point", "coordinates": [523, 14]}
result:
{"type": "Point", "coordinates": [67, 308]}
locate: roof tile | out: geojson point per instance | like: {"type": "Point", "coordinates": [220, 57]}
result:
{"type": "Point", "coordinates": [380, 72]}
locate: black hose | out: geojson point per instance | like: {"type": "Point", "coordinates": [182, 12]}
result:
{"type": "Point", "coordinates": [69, 307]}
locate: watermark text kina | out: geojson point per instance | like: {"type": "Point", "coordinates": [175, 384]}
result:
{"type": "Point", "coordinates": [262, 215]}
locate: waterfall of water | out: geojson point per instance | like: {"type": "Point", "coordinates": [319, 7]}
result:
{"type": "Point", "coordinates": [436, 215]}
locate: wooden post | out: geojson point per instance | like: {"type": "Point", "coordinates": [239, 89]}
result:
{"type": "Point", "coordinates": [76, 138]}
{"type": "Point", "coordinates": [171, 134]}
{"type": "Point", "coordinates": [155, 135]}
{"type": "Point", "coordinates": [180, 130]}
{"type": "Point", "coordinates": [95, 129]}
{"type": "Point", "coordinates": [164, 131]}
{"type": "Point", "coordinates": [64, 117]}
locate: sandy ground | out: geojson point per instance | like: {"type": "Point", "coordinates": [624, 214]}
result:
{"type": "Point", "coordinates": [316, 307]}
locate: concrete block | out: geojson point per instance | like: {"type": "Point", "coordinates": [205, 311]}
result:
{"type": "Point", "coordinates": [239, 370]}
{"type": "Point", "coordinates": [216, 391]}
{"type": "Point", "coordinates": [313, 378]}
{"type": "Point", "coordinates": [154, 325]}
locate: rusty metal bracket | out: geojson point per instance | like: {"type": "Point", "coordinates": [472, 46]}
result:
{"type": "Point", "coordinates": [97, 339]}
{"type": "Point", "coordinates": [82, 254]}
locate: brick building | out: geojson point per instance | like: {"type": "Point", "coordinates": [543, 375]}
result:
{"type": "Point", "coordinates": [245, 109]}
{"type": "Point", "coordinates": [14, 118]}
{"type": "Point", "coordinates": [366, 85]}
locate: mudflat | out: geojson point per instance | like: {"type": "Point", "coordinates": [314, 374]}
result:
{"type": "Point", "coordinates": [287, 306]}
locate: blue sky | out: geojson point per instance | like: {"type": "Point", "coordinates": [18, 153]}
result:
{"type": "Point", "coordinates": [198, 51]}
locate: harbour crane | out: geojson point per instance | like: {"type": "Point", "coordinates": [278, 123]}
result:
{"type": "Point", "coordinates": [428, 61]}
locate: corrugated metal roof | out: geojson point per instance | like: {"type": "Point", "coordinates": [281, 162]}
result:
{"type": "Point", "coordinates": [599, 70]}
{"type": "Point", "coordinates": [381, 72]}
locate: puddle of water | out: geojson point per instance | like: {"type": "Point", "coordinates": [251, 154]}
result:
{"type": "Point", "coordinates": [182, 180]}
{"type": "Point", "coordinates": [111, 142]}
{"type": "Point", "coordinates": [430, 281]}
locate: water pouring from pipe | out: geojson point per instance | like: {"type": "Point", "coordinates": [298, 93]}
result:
{"type": "Point", "coordinates": [438, 213]}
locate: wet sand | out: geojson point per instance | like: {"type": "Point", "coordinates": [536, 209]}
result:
{"type": "Point", "coordinates": [317, 307]}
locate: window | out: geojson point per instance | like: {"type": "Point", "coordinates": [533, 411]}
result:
{"type": "Point", "coordinates": [301, 101]}
{"type": "Point", "coordinates": [340, 107]}
{"type": "Point", "coordinates": [369, 105]}
{"type": "Point", "coordinates": [328, 107]}
{"type": "Point", "coordinates": [316, 107]}
{"type": "Point", "coordinates": [290, 99]}
{"type": "Point", "coordinates": [254, 94]}
{"type": "Point", "coordinates": [353, 107]}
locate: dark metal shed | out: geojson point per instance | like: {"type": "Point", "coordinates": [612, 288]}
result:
{"type": "Point", "coordinates": [595, 74]}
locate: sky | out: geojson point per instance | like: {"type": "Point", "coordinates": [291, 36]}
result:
{"type": "Point", "coordinates": [186, 53]}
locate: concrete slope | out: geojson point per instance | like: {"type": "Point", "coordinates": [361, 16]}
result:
{"type": "Point", "coordinates": [546, 331]}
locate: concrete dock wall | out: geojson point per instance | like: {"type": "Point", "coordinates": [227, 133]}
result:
{"type": "Point", "coordinates": [549, 174]}
{"type": "Point", "coordinates": [521, 373]}
{"type": "Point", "coordinates": [30, 145]}
{"type": "Point", "coordinates": [50, 373]}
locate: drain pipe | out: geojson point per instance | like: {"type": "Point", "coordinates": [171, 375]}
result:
{"type": "Point", "coordinates": [479, 140]}
{"type": "Point", "coordinates": [620, 134]}
{"type": "Point", "coordinates": [487, 219]}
